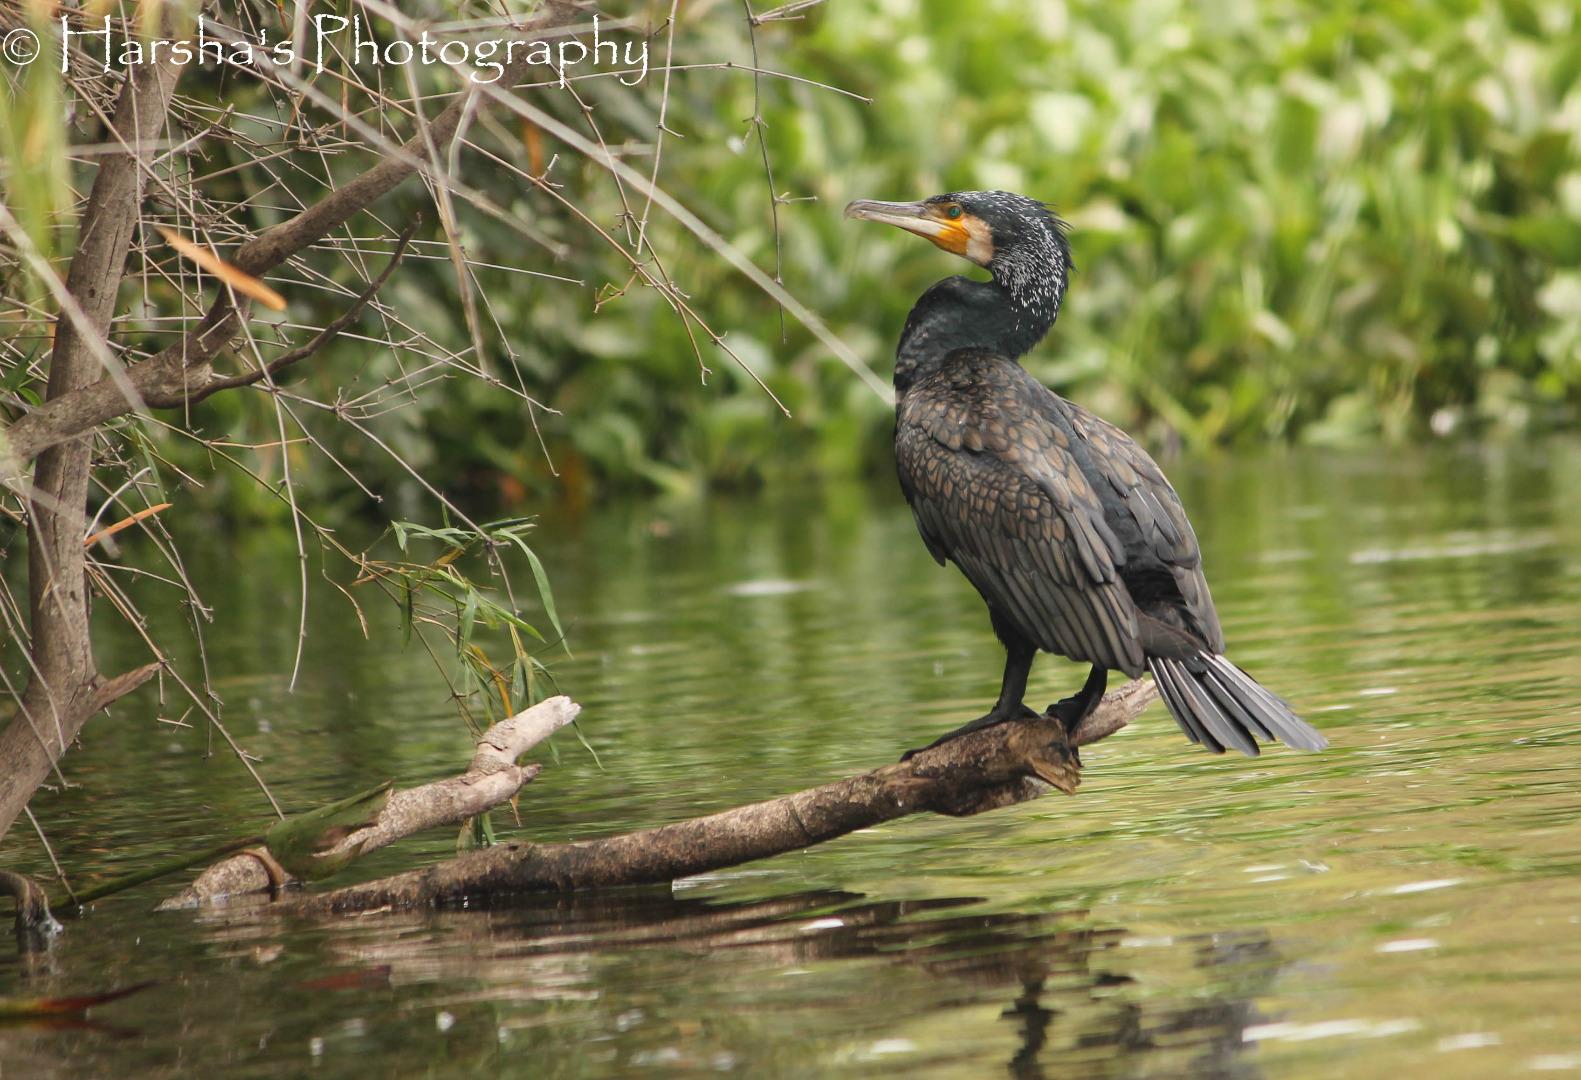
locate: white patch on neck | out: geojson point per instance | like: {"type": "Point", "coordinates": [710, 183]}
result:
{"type": "Point", "coordinates": [1034, 277]}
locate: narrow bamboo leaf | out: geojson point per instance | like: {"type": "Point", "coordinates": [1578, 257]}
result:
{"type": "Point", "coordinates": [543, 587]}
{"type": "Point", "coordinates": [243, 283]}
{"type": "Point", "coordinates": [586, 745]}
{"type": "Point", "coordinates": [469, 614]}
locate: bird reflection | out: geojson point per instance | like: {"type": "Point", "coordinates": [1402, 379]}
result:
{"type": "Point", "coordinates": [1208, 1032]}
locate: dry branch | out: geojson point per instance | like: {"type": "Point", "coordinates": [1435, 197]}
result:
{"type": "Point", "coordinates": [980, 771]}
{"type": "Point", "coordinates": [183, 370]}
{"type": "Point", "coordinates": [216, 383]}
{"type": "Point", "coordinates": [492, 777]}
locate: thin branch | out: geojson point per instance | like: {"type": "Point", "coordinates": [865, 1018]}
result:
{"type": "Point", "coordinates": [706, 234]}
{"type": "Point", "coordinates": [793, 10]}
{"type": "Point", "coordinates": [49, 850]}
{"type": "Point", "coordinates": [301, 352]}
{"type": "Point", "coordinates": [664, 110]}
{"type": "Point", "coordinates": [758, 129]}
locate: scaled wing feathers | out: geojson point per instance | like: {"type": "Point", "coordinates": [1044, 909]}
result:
{"type": "Point", "coordinates": [1013, 509]}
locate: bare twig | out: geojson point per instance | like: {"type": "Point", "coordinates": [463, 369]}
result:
{"type": "Point", "coordinates": [49, 850]}
{"type": "Point", "coordinates": [664, 112]}
{"type": "Point", "coordinates": [294, 356]}
{"type": "Point", "coordinates": [184, 367]}
{"type": "Point", "coordinates": [792, 10]}
{"type": "Point", "coordinates": [758, 129]}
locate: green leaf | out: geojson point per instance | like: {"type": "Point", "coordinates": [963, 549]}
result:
{"type": "Point", "coordinates": [469, 615]}
{"type": "Point", "coordinates": [586, 745]}
{"type": "Point", "coordinates": [543, 587]}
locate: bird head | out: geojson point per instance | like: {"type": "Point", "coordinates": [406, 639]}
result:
{"type": "Point", "coordinates": [1016, 239]}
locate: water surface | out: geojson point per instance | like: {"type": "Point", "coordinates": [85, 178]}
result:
{"type": "Point", "coordinates": [1406, 903]}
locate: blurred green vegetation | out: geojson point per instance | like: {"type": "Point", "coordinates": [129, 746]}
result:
{"type": "Point", "coordinates": [1292, 221]}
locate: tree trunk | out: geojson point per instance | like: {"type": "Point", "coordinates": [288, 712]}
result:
{"type": "Point", "coordinates": [65, 688]}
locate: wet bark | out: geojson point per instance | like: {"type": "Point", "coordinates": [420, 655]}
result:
{"type": "Point", "coordinates": [981, 771]}
{"type": "Point", "coordinates": [35, 926]}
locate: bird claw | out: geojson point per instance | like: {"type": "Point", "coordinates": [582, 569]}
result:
{"type": "Point", "coordinates": [1070, 712]}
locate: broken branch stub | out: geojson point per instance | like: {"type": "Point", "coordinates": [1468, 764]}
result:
{"type": "Point", "coordinates": [492, 778]}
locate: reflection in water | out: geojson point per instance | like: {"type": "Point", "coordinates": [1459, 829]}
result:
{"type": "Point", "coordinates": [1406, 902]}
{"type": "Point", "coordinates": [1204, 1034]}
{"type": "Point", "coordinates": [1041, 994]}
{"type": "Point", "coordinates": [634, 979]}
{"type": "Point", "coordinates": [62, 1024]}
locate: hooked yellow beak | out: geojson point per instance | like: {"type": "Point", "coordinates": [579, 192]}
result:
{"type": "Point", "coordinates": [924, 219]}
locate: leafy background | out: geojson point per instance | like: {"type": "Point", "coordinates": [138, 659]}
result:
{"type": "Point", "coordinates": [1292, 220]}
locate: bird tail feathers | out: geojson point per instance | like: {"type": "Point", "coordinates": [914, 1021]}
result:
{"type": "Point", "coordinates": [1220, 706]}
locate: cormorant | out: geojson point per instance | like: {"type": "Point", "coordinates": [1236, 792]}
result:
{"type": "Point", "coordinates": [1065, 525]}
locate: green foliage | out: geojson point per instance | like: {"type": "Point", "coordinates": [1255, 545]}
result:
{"type": "Point", "coordinates": [439, 594]}
{"type": "Point", "coordinates": [1292, 221]}
{"type": "Point", "coordinates": [34, 175]}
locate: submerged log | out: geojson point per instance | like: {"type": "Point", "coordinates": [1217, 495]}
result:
{"type": "Point", "coordinates": [983, 770]}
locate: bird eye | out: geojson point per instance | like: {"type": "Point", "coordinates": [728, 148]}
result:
{"type": "Point", "coordinates": [953, 212]}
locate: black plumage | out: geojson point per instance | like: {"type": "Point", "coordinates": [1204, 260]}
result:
{"type": "Point", "coordinates": [1065, 525]}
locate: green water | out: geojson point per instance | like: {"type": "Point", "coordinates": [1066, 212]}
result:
{"type": "Point", "coordinates": [1407, 903]}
